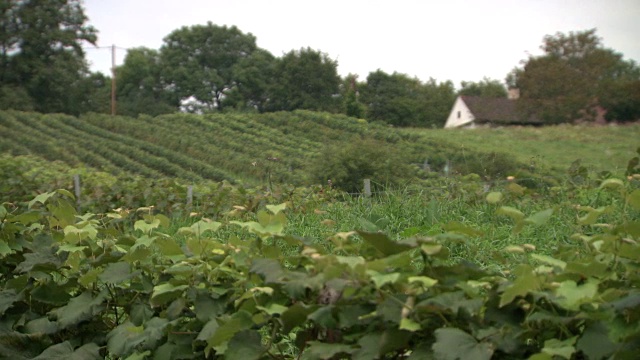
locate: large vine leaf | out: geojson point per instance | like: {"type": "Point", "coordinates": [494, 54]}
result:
{"type": "Point", "coordinates": [526, 281]}
{"type": "Point", "coordinates": [166, 292]}
{"type": "Point", "coordinates": [64, 351]}
{"type": "Point", "coordinates": [321, 351]}
{"type": "Point", "coordinates": [245, 345]}
{"type": "Point", "coordinates": [116, 273]}
{"type": "Point", "coordinates": [455, 344]}
{"type": "Point", "coordinates": [383, 243]}
{"type": "Point", "coordinates": [7, 299]}
{"type": "Point", "coordinates": [80, 308]}
{"type": "Point", "coordinates": [127, 338]}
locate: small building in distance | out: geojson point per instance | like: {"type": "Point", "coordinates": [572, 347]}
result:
{"type": "Point", "coordinates": [474, 111]}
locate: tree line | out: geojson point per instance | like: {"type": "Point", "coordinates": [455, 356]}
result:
{"type": "Point", "coordinates": [212, 68]}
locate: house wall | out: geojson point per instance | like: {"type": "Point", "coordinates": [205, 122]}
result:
{"type": "Point", "coordinates": [460, 115]}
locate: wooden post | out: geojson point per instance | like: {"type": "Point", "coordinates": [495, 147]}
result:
{"type": "Point", "coordinates": [425, 166]}
{"type": "Point", "coordinates": [447, 168]}
{"type": "Point", "coordinates": [76, 188]}
{"type": "Point", "coordinates": [367, 187]}
{"type": "Point", "coordinates": [189, 195]}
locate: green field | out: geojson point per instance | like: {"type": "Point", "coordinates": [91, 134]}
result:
{"type": "Point", "coordinates": [286, 147]}
{"type": "Point", "coordinates": [553, 147]}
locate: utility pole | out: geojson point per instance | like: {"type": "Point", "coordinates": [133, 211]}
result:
{"type": "Point", "coordinates": [113, 80]}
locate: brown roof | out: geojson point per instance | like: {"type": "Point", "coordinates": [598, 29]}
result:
{"type": "Point", "coordinates": [497, 110]}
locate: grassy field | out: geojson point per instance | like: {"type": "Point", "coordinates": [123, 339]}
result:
{"type": "Point", "coordinates": [554, 147]}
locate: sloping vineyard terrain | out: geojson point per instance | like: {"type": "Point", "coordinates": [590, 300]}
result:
{"type": "Point", "coordinates": [251, 148]}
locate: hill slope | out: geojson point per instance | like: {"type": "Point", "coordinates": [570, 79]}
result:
{"type": "Point", "coordinates": [246, 147]}
{"type": "Point", "coordinates": [282, 146]}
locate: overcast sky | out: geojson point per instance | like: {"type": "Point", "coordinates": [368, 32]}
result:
{"type": "Point", "coordinates": [447, 40]}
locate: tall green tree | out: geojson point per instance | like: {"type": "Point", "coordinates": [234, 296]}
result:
{"type": "Point", "coordinates": [255, 76]}
{"type": "Point", "coordinates": [41, 51]}
{"type": "Point", "coordinates": [198, 63]}
{"type": "Point", "coordinates": [400, 100]}
{"type": "Point", "coordinates": [485, 88]}
{"type": "Point", "coordinates": [140, 88]}
{"type": "Point", "coordinates": [392, 98]}
{"type": "Point", "coordinates": [574, 77]}
{"type": "Point", "coordinates": [438, 98]}
{"type": "Point", "coordinates": [352, 105]}
{"type": "Point", "coordinates": [8, 37]}
{"type": "Point", "coordinates": [305, 79]}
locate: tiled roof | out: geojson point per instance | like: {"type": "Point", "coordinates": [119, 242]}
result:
{"type": "Point", "coordinates": [497, 110]}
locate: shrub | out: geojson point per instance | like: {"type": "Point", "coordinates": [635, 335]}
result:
{"type": "Point", "coordinates": [348, 165]}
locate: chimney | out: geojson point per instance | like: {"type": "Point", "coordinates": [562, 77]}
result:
{"type": "Point", "coordinates": [513, 94]}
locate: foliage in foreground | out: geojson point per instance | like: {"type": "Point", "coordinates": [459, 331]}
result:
{"type": "Point", "coordinates": [85, 286]}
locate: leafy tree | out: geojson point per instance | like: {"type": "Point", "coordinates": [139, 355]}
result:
{"type": "Point", "coordinates": [305, 79]}
{"type": "Point", "coordinates": [575, 76]}
{"type": "Point", "coordinates": [392, 98]}
{"type": "Point", "coordinates": [8, 37]}
{"type": "Point", "coordinates": [94, 94]}
{"type": "Point", "coordinates": [199, 62]}
{"type": "Point", "coordinates": [486, 88]}
{"type": "Point", "coordinates": [41, 51]}
{"type": "Point", "coordinates": [139, 85]}
{"type": "Point", "coordinates": [15, 98]}
{"type": "Point", "coordinates": [352, 105]}
{"type": "Point", "coordinates": [400, 100]}
{"type": "Point", "coordinates": [438, 98]}
{"type": "Point", "coordinates": [254, 78]}
{"type": "Point", "coordinates": [623, 102]}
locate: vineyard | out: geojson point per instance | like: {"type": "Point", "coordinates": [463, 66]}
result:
{"type": "Point", "coordinates": [312, 273]}
{"type": "Point", "coordinates": [466, 266]}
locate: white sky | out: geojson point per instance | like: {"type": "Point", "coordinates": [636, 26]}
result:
{"type": "Point", "coordinates": [447, 40]}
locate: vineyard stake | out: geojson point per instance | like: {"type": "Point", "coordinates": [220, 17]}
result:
{"type": "Point", "coordinates": [76, 188]}
{"type": "Point", "coordinates": [367, 187]}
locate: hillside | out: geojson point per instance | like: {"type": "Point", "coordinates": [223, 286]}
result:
{"type": "Point", "coordinates": [286, 147]}
{"type": "Point", "coordinates": [235, 147]}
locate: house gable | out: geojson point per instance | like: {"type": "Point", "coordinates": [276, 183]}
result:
{"type": "Point", "coordinates": [460, 115]}
{"type": "Point", "coordinates": [491, 111]}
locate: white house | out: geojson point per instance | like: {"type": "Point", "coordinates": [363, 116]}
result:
{"type": "Point", "coordinates": [460, 116]}
{"type": "Point", "coordinates": [473, 111]}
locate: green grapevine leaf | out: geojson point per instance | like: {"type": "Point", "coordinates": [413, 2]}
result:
{"type": "Point", "coordinates": [540, 218]}
{"type": "Point", "coordinates": [560, 348]}
{"type": "Point", "coordinates": [571, 295]}
{"type": "Point", "coordinates": [245, 345]}
{"type": "Point", "coordinates": [634, 199]}
{"type": "Point", "coordinates": [116, 273]}
{"type": "Point", "coordinates": [295, 315]}
{"type": "Point", "coordinates": [146, 227]}
{"type": "Point", "coordinates": [595, 342]}
{"type": "Point", "coordinates": [320, 351]}
{"type": "Point", "coordinates": [494, 197]}
{"type": "Point", "coordinates": [7, 298]}
{"type": "Point", "coordinates": [201, 227]}
{"type": "Point", "coordinates": [239, 321]}
{"type": "Point", "coordinates": [550, 261]}
{"type": "Point", "coordinates": [275, 209]}
{"type": "Point", "coordinates": [526, 281]}
{"type": "Point", "coordinates": [382, 243]}
{"type": "Point", "coordinates": [165, 293]}
{"type": "Point", "coordinates": [454, 344]}
{"type": "Point", "coordinates": [80, 308]}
